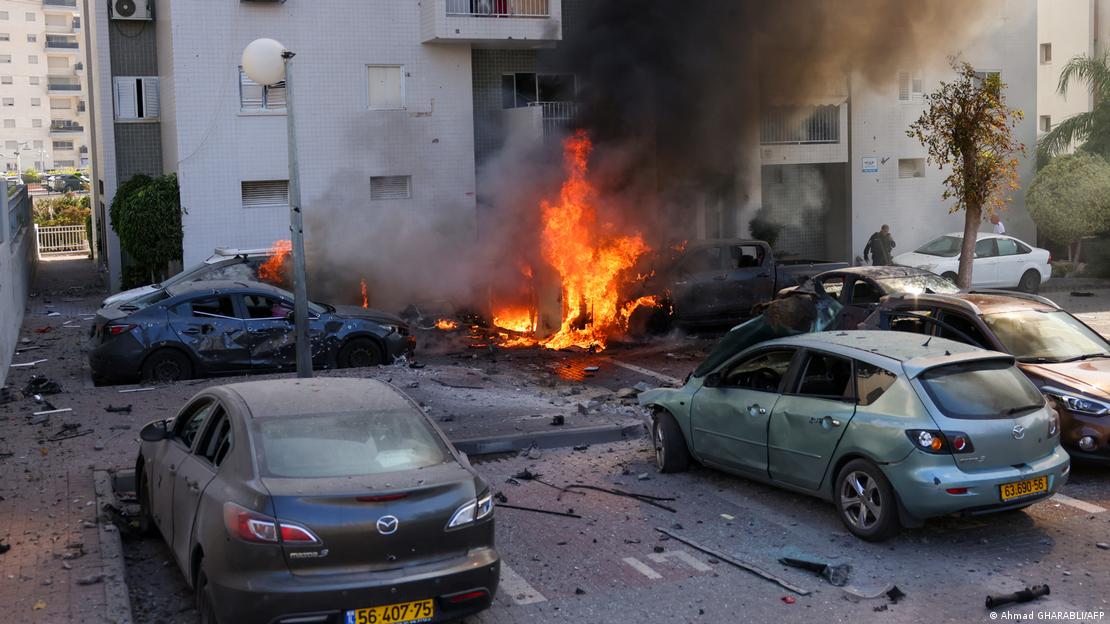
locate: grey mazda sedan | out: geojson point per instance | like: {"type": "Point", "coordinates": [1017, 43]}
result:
{"type": "Point", "coordinates": [318, 501]}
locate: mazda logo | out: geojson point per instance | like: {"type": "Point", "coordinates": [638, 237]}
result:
{"type": "Point", "coordinates": [387, 525]}
{"type": "Point", "coordinates": [1019, 433]}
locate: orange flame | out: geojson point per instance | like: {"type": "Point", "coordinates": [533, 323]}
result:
{"type": "Point", "coordinates": [591, 265]}
{"type": "Point", "coordinates": [273, 270]}
{"type": "Point", "coordinates": [519, 319]}
{"type": "Point", "coordinates": [446, 324]}
{"type": "Point", "coordinates": [362, 287]}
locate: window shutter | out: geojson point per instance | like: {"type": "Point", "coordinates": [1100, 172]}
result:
{"type": "Point", "coordinates": [275, 96]}
{"type": "Point", "coordinates": [126, 106]}
{"type": "Point", "coordinates": [250, 93]}
{"type": "Point", "coordinates": [266, 194]}
{"type": "Point", "coordinates": [151, 101]}
{"type": "Point", "coordinates": [386, 87]}
{"type": "Point", "coordinates": [916, 83]}
{"type": "Point", "coordinates": [390, 187]}
{"type": "Point", "coordinates": [904, 86]}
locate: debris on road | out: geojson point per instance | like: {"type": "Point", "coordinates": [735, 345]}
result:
{"type": "Point", "coordinates": [558, 420]}
{"type": "Point", "coordinates": [789, 599]}
{"type": "Point", "coordinates": [736, 562]}
{"type": "Point", "coordinates": [92, 579]}
{"type": "Point", "coordinates": [45, 329]}
{"type": "Point", "coordinates": [1082, 293]}
{"type": "Point", "coordinates": [643, 498]}
{"type": "Point", "coordinates": [69, 430]}
{"type": "Point", "coordinates": [27, 364]}
{"type": "Point", "coordinates": [591, 369]}
{"type": "Point", "coordinates": [543, 511]}
{"type": "Point", "coordinates": [53, 411]}
{"type": "Point", "coordinates": [1026, 595]}
{"type": "Point", "coordinates": [127, 390]}
{"type": "Point", "coordinates": [40, 385]}
{"type": "Point", "coordinates": [526, 475]}
{"type": "Point", "coordinates": [836, 575]}
{"type": "Point", "coordinates": [126, 409]}
{"type": "Point", "coordinates": [627, 393]}
{"type": "Point", "coordinates": [1102, 545]}
{"type": "Point", "coordinates": [4, 547]}
{"type": "Point", "coordinates": [728, 517]}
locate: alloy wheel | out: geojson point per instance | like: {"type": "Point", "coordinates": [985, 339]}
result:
{"type": "Point", "coordinates": [167, 370]}
{"type": "Point", "coordinates": [860, 500]}
{"type": "Point", "coordinates": [360, 358]}
{"type": "Point", "coordinates": [660, 452]}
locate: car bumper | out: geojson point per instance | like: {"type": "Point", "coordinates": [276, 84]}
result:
{"type": "Point", "coordinates": [118, 359]}
{"type": "Point", "coordinates": [922, 480]}
{"type": "Point", "coordinates": [283, 597]}
{"type": "Point", "coordinates": [398, 345]}
{"type": "Point", "coordinates": [1074, 427]}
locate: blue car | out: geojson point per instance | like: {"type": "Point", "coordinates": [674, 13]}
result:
{"type": "Point", "coordinates": [198, 329]}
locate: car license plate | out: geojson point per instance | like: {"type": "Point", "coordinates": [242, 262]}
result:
{"type": "Point", "coordinates": [1019, 489]}
{"type": "Point", "coordinates": [400, 613]}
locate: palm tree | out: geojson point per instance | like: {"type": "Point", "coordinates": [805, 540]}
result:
{"type": "Point", "coordinates": [1090, 131]}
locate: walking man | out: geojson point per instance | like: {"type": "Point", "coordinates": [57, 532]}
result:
{"type": "Point", "coordinates": [880, 247]}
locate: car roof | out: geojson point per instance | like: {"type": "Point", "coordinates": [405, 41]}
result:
{"type": "Point", "coordinates": [981, 235]}
{"type": "Point", "coordinates": [211, 285]}
{"type": "Point", "coordinates": [982, 302]}
{"type": "Point", "coordinates": [283, 398]}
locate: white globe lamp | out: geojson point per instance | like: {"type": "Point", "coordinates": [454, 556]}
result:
{"type": "Point", "coordinates": [264, 61]}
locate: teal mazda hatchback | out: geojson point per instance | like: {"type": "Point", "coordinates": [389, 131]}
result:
{"type": "Point", "coordinates": [888, 426]}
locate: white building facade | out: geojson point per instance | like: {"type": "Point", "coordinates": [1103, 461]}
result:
{"type": "Point", "coordinates": [43, 96]}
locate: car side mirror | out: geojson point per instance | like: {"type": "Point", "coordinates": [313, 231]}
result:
{"type": "Point", "coordinates": [712, 380]}
{"type": "Point", "coordinates": [155, 431]}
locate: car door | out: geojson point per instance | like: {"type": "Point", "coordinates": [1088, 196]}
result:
{"type": "Point", "coordinates": [698, 284]}
{"type": "Point", "coordinates": [810, 418]}
{"type": "Point", "coordinates": [860, 299]}
{"type": "Point", "coordinates": [962, 327]}
{"type": "Point", "coordinates": [270, 336]}
{"type": "Point", "coordinates": [748, 280]}
{"type": "Point", "coordinates": [164, 467]}
{"type": "Point", "coordinates": [1011, 264]}
{"type": "Point", "coordinates": [208, 326]}
{"type": "Point", "coordinates": [196, 471]}
{"type": "Point", "coordinates": [729, 420]}
{"type": "Point", "coordinates": [985, 265]}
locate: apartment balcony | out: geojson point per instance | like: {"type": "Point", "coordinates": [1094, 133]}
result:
{"type": "Point", "coordinates": [62, 43]}
{"type": "Point", "coordinates": [544, 121]}
{"type": "Point", "coordinates": [804, 134]}
{"type": "Point", "coordinates": [60, 5]}
{"type": "Point", "coordinates": [62, 29]}
{"type": "Point", "coordinates": [61, 87]}
{"type": "Point", "coordinates": [492, 23]}
{"type": "Point", "coordinates": [58, 126]}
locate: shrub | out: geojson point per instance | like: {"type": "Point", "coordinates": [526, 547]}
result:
{"type": "Point", "coordinates": [65, 210]}
{"type": "Point", "coordinates": [1070, 199]}
{"type": "Point", "coordinates": [146, 214]}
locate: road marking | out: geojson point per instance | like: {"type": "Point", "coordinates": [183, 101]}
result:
{"type": "Point", "coordinates": [674, 381]}
{"type": "Point", "coordinates": [682, 556]}
{"type": "Point", "coordinates": [515, 586]}
{"type": "Point", "coordinates": [1078, 504]}
{"type": "Point", "coordinates": [642, 568]}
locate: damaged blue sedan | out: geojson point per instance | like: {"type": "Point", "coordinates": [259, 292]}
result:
{"type": "Point", "coordinates": [199, 329]}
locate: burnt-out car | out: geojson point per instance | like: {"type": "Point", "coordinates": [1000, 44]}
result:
{"type": "Point", "coordinates": [317, 501]}
{"type": "Point", "coordinates": [1067, 360]}
{"type": "Point", "coordinates": [860, 289]}
{"type": "Point", "coordinates": [198, 329]}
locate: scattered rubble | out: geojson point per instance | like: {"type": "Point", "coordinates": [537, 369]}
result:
{"type": "Point", "coordinates": [836, 575]}
{"type": "Point", "coordinates": [126, 409]}
{"type": "Point", "coordinates": [1028, 594]}
{"type": "Point", "coordinates": [743, 565]}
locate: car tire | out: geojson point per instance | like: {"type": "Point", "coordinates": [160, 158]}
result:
{"type": "Point", "coordinates": [142, 492]}
{"type": "Point", "coordinates": [874, 515]}
{"type": "Point", "coordinates": [671, 454]}
{"type": "Point", "coordinates": [1030, 281]}
{"type": "Point", "coordinates": [167, 366]}
{"type": "Point", "coordinates": [361, 352]}
{"type": "Point", "coordinates": [205, 604]}
{"type": "Point", "coordinates": [950, 276]}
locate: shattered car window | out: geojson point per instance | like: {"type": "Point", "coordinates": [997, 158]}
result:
{"type": "Point", "coordinates": [827, 376]}
{"type": "Point", "coordinates": [214, 306]}
{"type": "Point", "coordinates": [263, 307]}
{"type": "Point", "coordinates": [919, 284]}
{"type": "Point", "coordinates": [763, 372]}
{"type": "Point", "coordinates": [143, 301]}
{"type": "Point", "coordinates": [346, 444]}
{"type": "Point", "coordinates": [236, 272]}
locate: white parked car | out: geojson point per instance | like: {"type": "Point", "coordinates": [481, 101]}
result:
{"type": "Point", "coordinates": [1000, 261]}
{"type": "Point", "coordinates": [224, 264]}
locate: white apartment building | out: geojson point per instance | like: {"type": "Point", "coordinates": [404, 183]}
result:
{"type": "Point", "coordinates": [384, 111]}
{"type": "Point", "coordinates": [43, 95]}
{"type": "Point", "coordinates": [1067, 29]}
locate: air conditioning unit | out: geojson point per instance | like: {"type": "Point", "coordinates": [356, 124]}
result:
{"type": "Point", "coordinates": [134, 10]}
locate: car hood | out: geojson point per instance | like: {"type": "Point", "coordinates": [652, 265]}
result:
{"type": "Point", "coordinates": [127, 295]}
{"type": "Point", "coordinates": [1091, 377]}
{"type": "Point", "coordinates": [369, 314]}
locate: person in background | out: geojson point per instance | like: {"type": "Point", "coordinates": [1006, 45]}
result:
{"type": "Point", "coordinates": [880, 247]}
{"type": "Point", "coordinates": [999, 228]}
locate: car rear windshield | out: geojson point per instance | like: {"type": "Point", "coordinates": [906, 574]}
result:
{"type": "Point", "coordinates": [981, 390]}
{"type": "Point", "coordinates": [142, 301]}
{"type": "Point", "coordinates": [945, 246]}
{"type": "Point", "coordinates": [346, 444]}
{"type": "Point", "coordinates": [1046, 336]}
{"type": "Point", "coordinates": [919, 284]}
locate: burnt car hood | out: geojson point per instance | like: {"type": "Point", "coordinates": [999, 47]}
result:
{"type": "Point", "coordinates": [1091, 377]}
{"type": "Point", "coordinates": [369, 314]}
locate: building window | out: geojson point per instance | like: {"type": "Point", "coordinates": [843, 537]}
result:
{"type": "Point", "coordinates": [11, 146]}
{"type": "Point", "coordinates": [5, 79]}
{"type": "Point", "coordinates": [3, 16]}
{"type": "Point", "coordinates": [256, 97]}
{"type": "Point", "coordinates": [1045, 123]}
{"type": "Point", "coordinates": [36, 101]}
{"type": "Point", "coordinates": [6, 37]}
{"type": "Point", "coordinates": [1046, 52]}
{"type": "Point", "coordinates": [8, 101]}
{"type": "Point", "coordinates": [63, 145]}
{"type": "Point", "coordinates": [526, 89]}
{"type": "Point", "coordinates": [390, 187]}
{"type": "Point", "coordinates": [32, 59]}
{"type": "Point", "coordinates": [5, 58]}
{"type": "Point", "coordinates": [64, 164]}
{"type": "Point", "coordinates": [911, 167]}
{"type": "Point", "coordinates": [30, 16]}
{"type": "Point", "coordinates": [265, 193]}
{"type": "Point", "coordinates": [60, 104]}
{"type": "Point", "coordinates": [34, 80]}
{"type": "Point", "coordinates": [36, 123]}
{"type": "Point", "coordinates": [9, 123]}
{"type": "Point", "coordinates": [32, 38]}
{"type": "Point", "coordinates": [910, 86]}
{"type": "Point", "coordinates": [136, 98]}
{"type": "Point", "coordinates": [386, 87]}
{"type": "Point", "coordinates": [38, 144]}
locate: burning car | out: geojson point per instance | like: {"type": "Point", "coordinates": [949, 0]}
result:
{"type": "Point", "coordinates": [224, 264]}
{"type": "Point", "coordinates": [207, 328]}
{"type": "Point", "coordinates": [318, 500]}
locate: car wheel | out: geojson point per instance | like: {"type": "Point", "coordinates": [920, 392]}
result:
{"type": "Point", "coordinates": [950, 276]}
{"type": "Point", "coordinates": [167, 366]}
{"type": "Point", "coordinates": [671, 454]}
{"type": "Point", "coordinates": [361, 352]}
{"type": "Point", "coordinates": [206, 612]}
{"type": "Point", "coordinates": [1030, 281]}
{"type": "Point", "coordinates": [142, 490]}
{"type": "Point", "coordinates": [866, 501]}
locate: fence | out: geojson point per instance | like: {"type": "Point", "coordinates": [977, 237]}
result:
{"type": "Point", "coordinates": [557, 117]}
{"type": "Point", "coordinates": [498, 8]}
{"type": "Point", "coordinates": [56, 240]}
{"type": "Point", "coordinates": [800, 124]}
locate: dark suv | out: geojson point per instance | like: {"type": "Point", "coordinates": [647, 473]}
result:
{"type": "Point", "coordinates": [1066, 359]}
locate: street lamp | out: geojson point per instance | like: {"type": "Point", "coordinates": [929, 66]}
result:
{"type": "Point", "coordinates": [267, 62]}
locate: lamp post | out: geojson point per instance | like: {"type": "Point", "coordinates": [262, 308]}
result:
{"type": "Point", "coordinates": [267, 62]}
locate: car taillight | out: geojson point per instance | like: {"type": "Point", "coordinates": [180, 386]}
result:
{"type": "Point", "coordinates": [251, 526]}
{"type": "Point", "coordinates": [466, 596]}
{"type": "Point", "coordinates": [1050, 258]}
{"type": "Point", "coordinates": [472, 510]}
{"type": "Point", "coordinates": [115, 330]}
{"type": "Point", "coordinates": [941, 442]}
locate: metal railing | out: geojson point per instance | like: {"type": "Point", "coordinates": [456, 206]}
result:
{"type": "Point", "coordinates": [60, 45]}
{"type": "Point", "coordinates": [800, 125]}
{"type": "Point", "coordinates": [498, 8]}
{"type": "Point", "coordinates": [62, 86]}
{"type": "Point", "coordinates": [62, 239]}
{"type": "Point", "coordinates": [61, 3]}
{"type": "Point", "coordinates": [557, 116]}
{"type": "Point", "coordinates": [58, 125]}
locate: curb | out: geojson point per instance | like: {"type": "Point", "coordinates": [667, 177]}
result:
{"type": "Point", "coordinates": [111, 554]}
{"type": "Point", "coordinates": [549, 439]}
